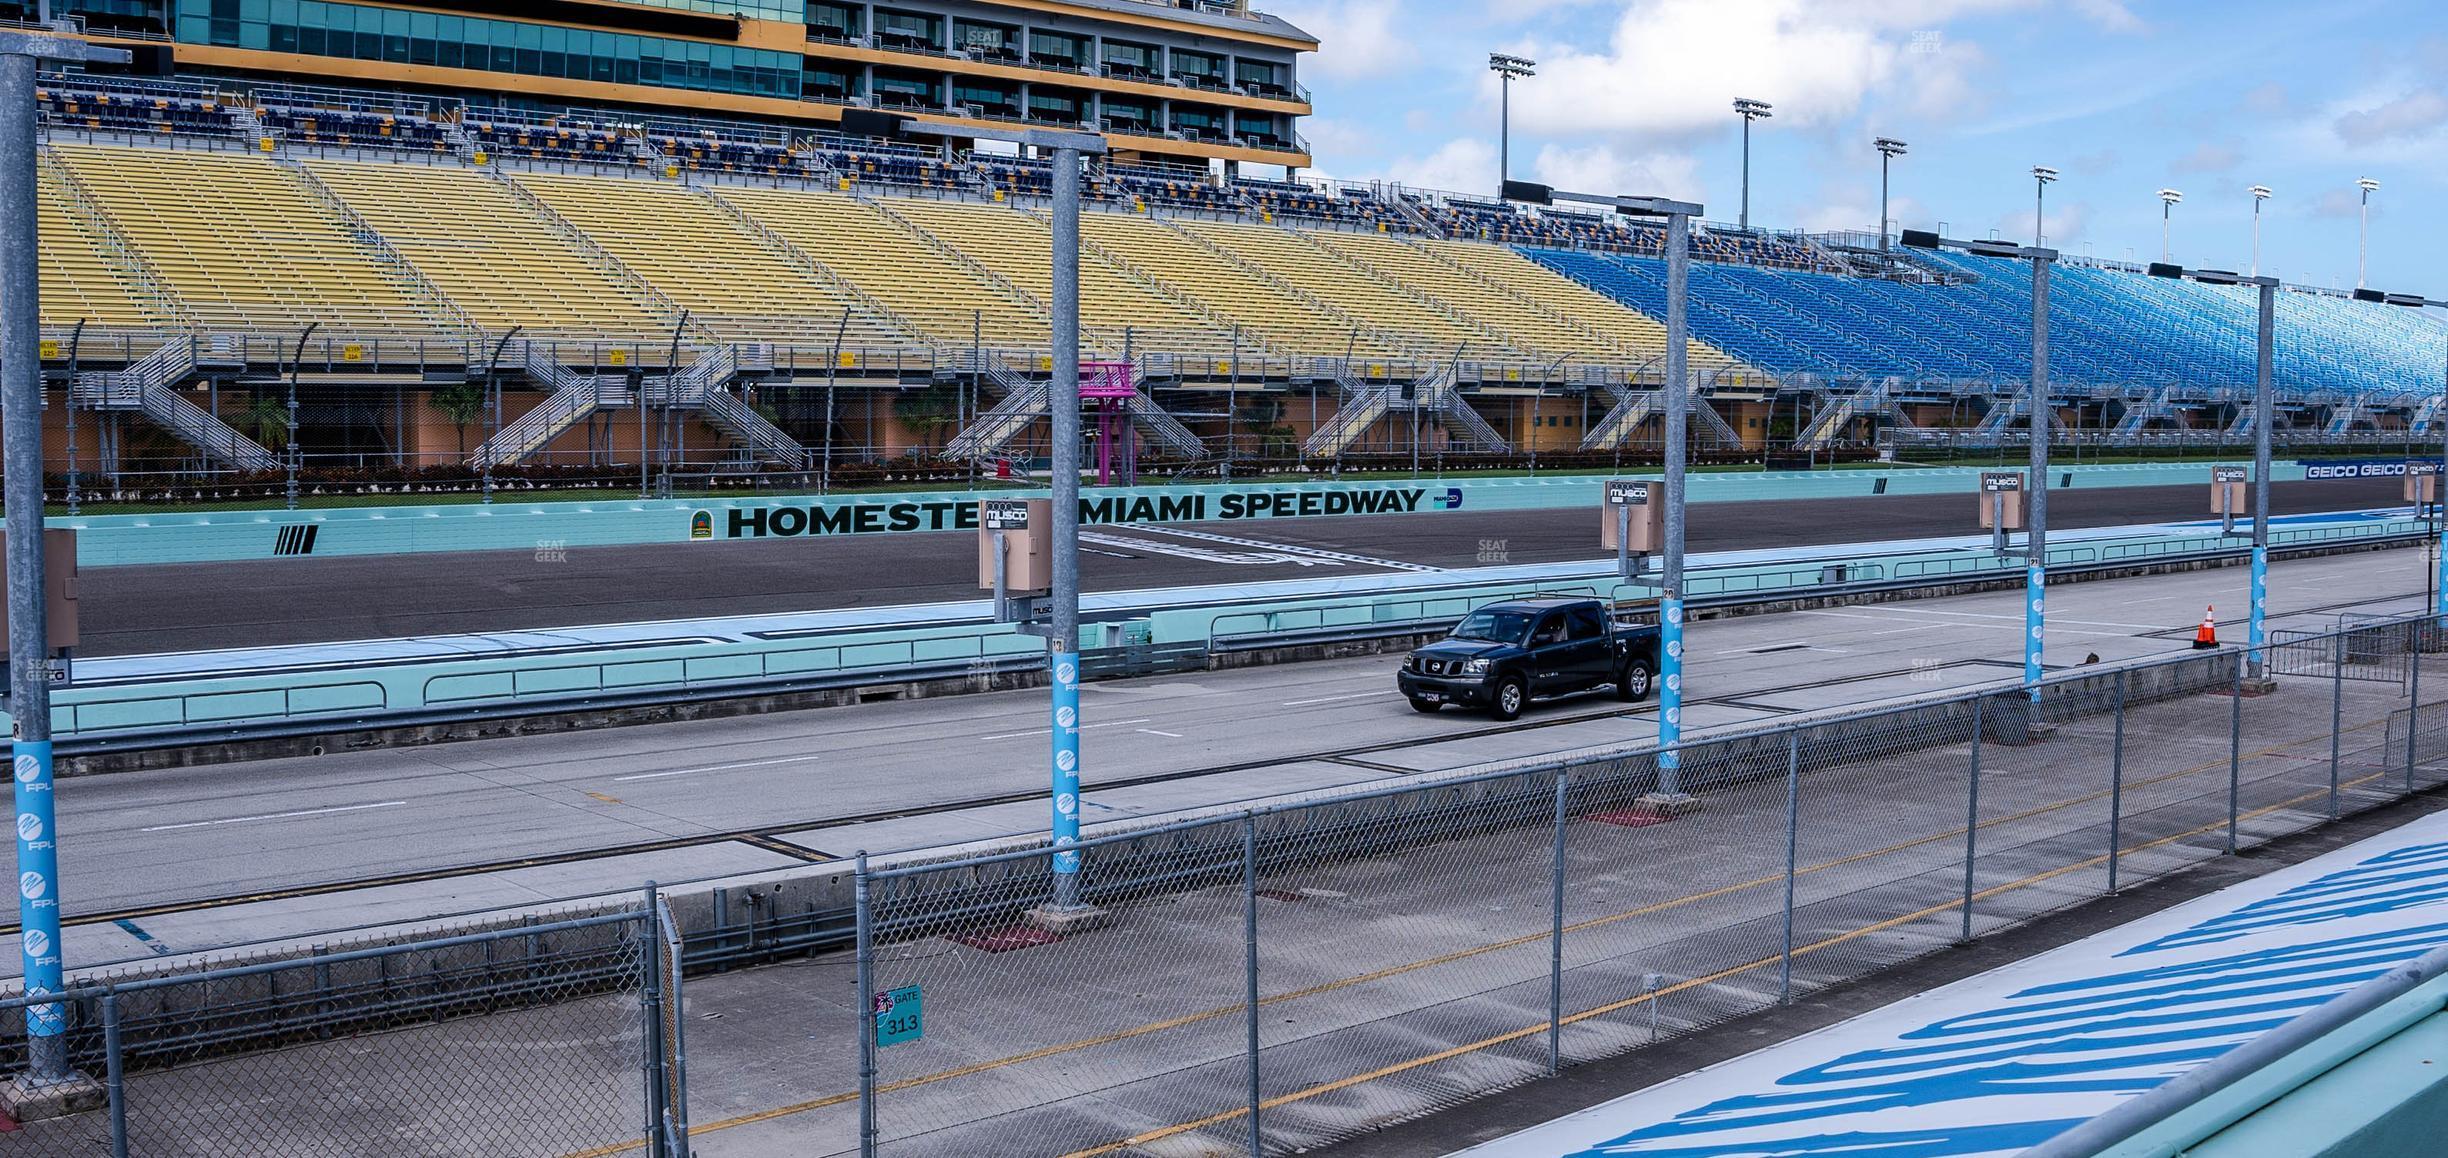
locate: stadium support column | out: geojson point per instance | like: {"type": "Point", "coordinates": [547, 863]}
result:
{"type": "Point", "coordinates": [47, 1088]}
{"type": "Point", "coordinates": [2035, 559]}
{"type": "Point", "coordinates": [2439, 587]}
{"type": "Point", "coordinates": [1670, 593]}
{"type": "Point", "coordinates": [2264, 342]}
{"type": "Point", "coordinates": [1063, 644]}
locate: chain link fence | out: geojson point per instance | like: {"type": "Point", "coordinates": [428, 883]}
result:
{"type": "Point", "coordinates": [545, 1038]}
{"type": "Point", "coordinates": [1274, 980]}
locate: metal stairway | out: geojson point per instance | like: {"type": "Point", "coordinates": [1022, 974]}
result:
{"type": "Point", "coordinates": [704, 387]}
{"type": "Point", "coordinates": [1364, 403]}
{"type": "Point", "coordinates": [1634, 407]}
{"type": "Point", "coordinates": [2137, 418]}
{"type": "Point", "coordinates": [1999, 418]}
{"type": "Point", "coordinates": [574, 399]}
{"type": "Point", "coordinates": [149, 386]}
{"type": "Point", "coordinates": [1844, 408]}
{"type": "Point", "coordinates": [1025, 400]}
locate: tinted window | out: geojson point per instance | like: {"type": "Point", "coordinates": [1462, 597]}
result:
{"type": "Point", "coordinates": [1583, 623]}
{"type": "Point", "coordinates": [1550, 630]}
{"type": "Point", "coordinates": [1493, 626]}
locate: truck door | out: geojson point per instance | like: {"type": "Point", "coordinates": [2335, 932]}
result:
{"type": "Point", "coordinates": [1551, 661]}
{"type": "Point", "coordinates": [1585, 637]}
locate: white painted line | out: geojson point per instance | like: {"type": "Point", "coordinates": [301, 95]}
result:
{"type": "Point", "coordinates": [1050, 731]}
{"type": "Point", "coordinates": [1336, 699]}
{"type": "Point", "coordinates": [712, 768]}
{"type": "Point", "coordinates": [272, 816]}
{"type": "Point", "coordinates": [1154, 732]}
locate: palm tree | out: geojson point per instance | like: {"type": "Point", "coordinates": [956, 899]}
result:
{"type": "Point", "coordinates": [462, 404]}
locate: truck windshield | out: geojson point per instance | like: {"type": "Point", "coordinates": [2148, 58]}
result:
{"type": "Point", "coordinates": [1493, 626]}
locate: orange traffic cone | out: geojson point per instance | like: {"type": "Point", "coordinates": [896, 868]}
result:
{"type": "Point", "coordinates": [2206, 636]}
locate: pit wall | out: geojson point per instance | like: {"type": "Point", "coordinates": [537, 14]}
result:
{"type": "Point", "coordinates": [223, 536]}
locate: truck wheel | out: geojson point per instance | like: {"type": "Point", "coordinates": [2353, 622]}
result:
{"type": "Point", "coordinates": [1511, 694]}
{"type": "Point", "coordinates": [1425, 706]}
{"type": "Point", "coordinates": [1632, 683]}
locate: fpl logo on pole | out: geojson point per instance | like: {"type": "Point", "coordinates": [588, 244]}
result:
{"type": "Point", "coordinates": [29, 827]}
{"type": "Point", "coordinates": [1065, 672]}
{"type": "Point", "coordinates": [1066, 803]}
{"type": "Point", "coordinates": [37, 944]}
{"type": "Point", "coordinates": [1066, 717]}
{"type": "Point", "coordinates": [32, 885]}
{"type": "Point", "coordinates": [27, 769]}
{"type": "Point", "coordinates": [1067, 761]}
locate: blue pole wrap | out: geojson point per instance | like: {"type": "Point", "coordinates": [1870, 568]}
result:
{"type": "Point", "coordinates": [2260, 601]}
{"type": "Point", "coordinates": [1670, 688]}
{"type": "Point", "coordinates": [38, 912]}
{"type": "Point", "coordinates": [1066, 762]}
{"type": "Point", "coordinates": [2439, 588]}
{"type": "Point", "coordinates": [2035, 624]}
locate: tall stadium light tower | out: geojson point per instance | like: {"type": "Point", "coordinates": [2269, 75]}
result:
{"type": "Point", "coordinates": [2260, 193]}
{"type": "Point", "coordinates": [1507, 69]}
{"type": "Point", "coordinates": [2041, 176]}
{"type": "Point", "coordinates": [2035, 550]}
{"type": "Point", "coordinates": [1889, 148]}
{"type": "Point", "coordinates": [48, 1087]}
{"type": "Point", "coordinates": [1669, 795]}
{"type": "Point", "coordinates": [2363, 233]}
{"type": "Point", "coordinates": [1068, 148]}
{"type": "Point", "coordinates": [2169, 199]}
{"type": "Point", "coordinates": [1749, 110]}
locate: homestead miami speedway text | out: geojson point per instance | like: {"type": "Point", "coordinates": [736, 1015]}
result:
{"type": "Point", "coordinates": [878, 518]}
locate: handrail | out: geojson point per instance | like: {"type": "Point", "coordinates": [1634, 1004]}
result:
{"type": "Point", "coordinates": [2195, 1086]}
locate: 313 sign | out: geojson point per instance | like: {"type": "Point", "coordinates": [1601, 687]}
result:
{"type": "Point", "coordinates": [899, 1016]}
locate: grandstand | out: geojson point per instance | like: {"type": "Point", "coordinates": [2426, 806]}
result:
{"type": "Point", "coordinates": [433, 229]}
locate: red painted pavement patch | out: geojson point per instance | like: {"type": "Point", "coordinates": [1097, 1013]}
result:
{"type": "Point", "coordinates": [1005, 939]}
{"type": "Point", "coordinates": [1637, 816]}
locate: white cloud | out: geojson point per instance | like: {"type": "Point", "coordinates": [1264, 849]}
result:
{"type": "Point", "coordinates": [2411, 114]}
{"type": "Point", "coordinates": [1605, 169]}
{"type": "Point", "coordinates": [2068, 225]}
{"type": "Point", "coordinates": [1356, 38]}
{"type": "Point", "coordinates": [1672, 67]}
{"type": "Point", "coordinates": [2209, 157]}
{"type": "Point", "coordinates": [1463, 164]}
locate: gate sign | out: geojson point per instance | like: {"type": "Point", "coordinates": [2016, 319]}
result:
{"type": "Point", "coordinates": [1995, 481]}
{"type": "Point", "coordinates": [899, 1016]}
{"type": "Point", "coordinates": [1005, 515]}
{"type": "Point", "coordinates": [2227, 474]}
{"type": "Point", "coordinates": [1627, 493]}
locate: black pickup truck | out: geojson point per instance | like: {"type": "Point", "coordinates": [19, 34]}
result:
{"type": "Point", "coordinates": [1503, 654]}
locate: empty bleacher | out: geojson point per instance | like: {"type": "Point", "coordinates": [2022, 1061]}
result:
{"type": "Point", "coordinates": [1266, 311]}
{"type": "Point", "coordinates": [502, 133]}
{"type": "Point", "coordinates": [1292, 258]}
{"type": "Point", "coordinates": [346, 128]}
{"type": "Point", "coordinates": [490, 254]}
{"type": "Point", "coordinates": [80, 279]}
{"type": "Point", "coordinates": [1115, 309]}
{"type": "Point", "coordinates": [126, 105]}
{"type": "Point", "coordinates": [684, 245]}
{"type": "Point", "coordinates": [927, 289]}
{"type": "Point", "coordinates": [1505, 315]}
{"type": "Point", "coordinates": [1636, 337]}
{"type": "Point", "coordinates": [243, 243]}
{"type": "Point", "coordinates": [1298, 201]}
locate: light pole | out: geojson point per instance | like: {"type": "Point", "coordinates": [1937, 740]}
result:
{"type": "Point", "coordinates": [2035, 550]}
{"type": "Point", "coordinates": [1065, 912]}
{"type": "Point", "coordinates": [1669, 796]}
{"type": "Point", "coordinates": [2363, 232]}
{"type": "Point", "coordinates": [2168, 200]}
{"type": "Point", "coordinates": [2042, 175]}
{"type": "Point", "coordinates": [1507, 68]}
{"type": "Point", "coordinates": [1749, 110]}
{"type": "Point", "coordinates": [2260, 193]}
{"type": "Point", "coordinates": [1889, 148]}
{"type": "Point", "coordinates": [48, 1087]}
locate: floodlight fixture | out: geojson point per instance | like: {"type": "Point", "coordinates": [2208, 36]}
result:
{"type": "Point", "coordinates": [1749, 110]}
{"type": "Point", "coordinates": [1888, 148]}
{"type": "Point", "coordinates": [1507, 67]}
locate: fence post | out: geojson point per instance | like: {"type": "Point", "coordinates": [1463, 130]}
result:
{"type": "Point", "coordinates": [865, 1004]}
{"type": "Point", "coordinates": [1972, 818]}
{"type": "Point", "coordinates": [2413, 694]}
{"type": "Point", "coordinates": [2235, 752]}
{"type": "Point", "coordinates": [1555, 932]}
{"type": "Point", "coordinates": [651, 991]}
{"type": "Point", "coordinates": [2116, 789]}
{"type": "Point", "coordinates": [2337, 708]}
{"type": "Point", "coordinates": [675, 1026]}
{"type": "Point", "coordinates": [1249, 968]}
{"type": "Point", "coordinates": [1793, 833]}
{"type": "Point", "coordinates": [114, 1075]}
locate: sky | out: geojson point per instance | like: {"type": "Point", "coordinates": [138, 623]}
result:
{"type": "Point", "coordinates": [2122, 97]}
